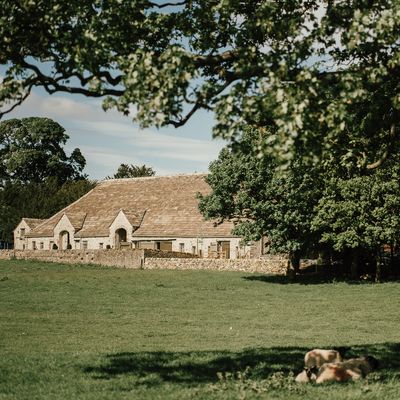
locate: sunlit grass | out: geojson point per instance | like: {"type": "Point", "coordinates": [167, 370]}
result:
{"type": "Point", "coordinates": [101, 333]}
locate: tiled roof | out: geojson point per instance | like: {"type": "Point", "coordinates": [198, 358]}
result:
{"type": "Point", "coordinates": [33, 222]}
{"type": "Point", "coordinates": [77, 219]}
{"type": "Point", "coordinates": [159, 206]}
{"type": "Point", "coordinates": [135, 218]}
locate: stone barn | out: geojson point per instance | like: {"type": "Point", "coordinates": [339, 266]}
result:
{"type": "Point", "coordinates": [23, 228]}
{"type": "Point", "coordinates": [152, 212]}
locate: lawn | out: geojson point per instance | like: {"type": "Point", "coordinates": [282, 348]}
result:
{"type": "Point", "coordinates": [77, 332]}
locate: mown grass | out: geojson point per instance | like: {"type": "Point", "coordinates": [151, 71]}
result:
{"type": "Point", "coordinates": [74, 332]}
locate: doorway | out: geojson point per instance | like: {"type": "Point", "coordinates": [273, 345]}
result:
{"type": "Point", "coordinates": [120, 237]}
{"type": "Point", "coordinates": [224, 249]}
{"type": "Point", "coordinates": [64, 240]}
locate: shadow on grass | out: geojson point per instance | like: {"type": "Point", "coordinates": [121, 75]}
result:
{"type": "Point", "coordinates": [306, 279]}
{"type": "Point", "coordinates": [191, 368]}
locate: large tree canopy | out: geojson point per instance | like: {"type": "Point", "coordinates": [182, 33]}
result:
{"type": "Point", "coordinates": [37, 178]}
{"type": "Point", "coordinates": [324, 73]}
{"type": "Point", "coordinates": [31, 150]}
{"type": "Point", "coordinates": [328, 208]}
{"type": "Point", "coordinates": [262, 202]}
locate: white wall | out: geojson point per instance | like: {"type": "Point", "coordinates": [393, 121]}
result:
{"type": "Point", "coordinates": [92, 243]}
{"type": "Point", "coordinates": [202, 244]}
{"type": "Point", "coordinates": [21, 243]}
{"type": "Point", "coordinates": [120, 222]}
{"type": "Point", "coordinates": [63, 225]}
{"type": "Point", "coordinates": [37, 243]}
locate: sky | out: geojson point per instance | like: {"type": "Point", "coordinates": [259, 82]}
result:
{"type": "Point", "coordinates": [108, 139]}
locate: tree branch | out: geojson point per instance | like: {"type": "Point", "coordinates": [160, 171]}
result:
{"type": "Point", "coordinates": [52, 85]}
{"type": "Point", "coordinates": [388, 151]}
{"type": "Point", "coordinates": [182, 3]}
{"type": "Point", "coordinates": [183, 121]}
{"type": "Point", "coordinates": [17, 103]}
{"type": "Point", "coordinates": [199, 104]}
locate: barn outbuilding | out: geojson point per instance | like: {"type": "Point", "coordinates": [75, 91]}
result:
{"type": "Point", "coordinates": [158, 212]}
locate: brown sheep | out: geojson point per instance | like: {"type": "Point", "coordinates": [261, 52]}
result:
{"type": "Point", "coordinates": [307, 375]}
{"type": "Point", "coordinates": [318, 357]}
{"type": "Point", "coordinates": [351, 369]}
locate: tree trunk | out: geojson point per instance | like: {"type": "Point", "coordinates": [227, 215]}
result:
{"type": "Point", "coordinates": [323, 261]}
{"type": "Point", "coordinates": [294, 262]}
{"type": "Point", "coordinates": [354, 264]}
{"type": "Point", "coordinates": [379, 264]}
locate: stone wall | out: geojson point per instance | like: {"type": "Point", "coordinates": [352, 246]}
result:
{"type": "Point", "coordinates": [276, 265]}
{"type": "Point", "coordinates": [151, 259]}
{"type": "Point", "coordinates": [111, 258]}
{"type": "Point", "coordinates": [150, 253]}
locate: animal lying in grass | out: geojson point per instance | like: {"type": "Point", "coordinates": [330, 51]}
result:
{"type": "Point", "coordinates": [318, 357]}
{"type": "Point", "coordinates": [307, 375]}
{"type": "Point", "coordinates": [328, 366]}
{"type": "Point", "coordinates": [352, 369]}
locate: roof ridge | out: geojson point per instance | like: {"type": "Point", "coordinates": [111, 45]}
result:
{"type": "Point", "coordinates": [153, 177]}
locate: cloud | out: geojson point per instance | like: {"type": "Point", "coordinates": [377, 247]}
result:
{"type": "Point", "coordinates": [156, 144]}
{"type": "Point", "coordinates": [56, 107]}
{"type": "Point", "coordinates": [108, 139]}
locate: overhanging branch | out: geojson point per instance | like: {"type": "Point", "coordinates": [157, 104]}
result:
{"type": "Point", "coordinates": [388, 151]}
{"type": "Point", "coordinates": [18, 102]}
{"type": "Point", "coordinates": [182, 3]}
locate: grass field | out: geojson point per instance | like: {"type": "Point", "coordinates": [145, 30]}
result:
{"type": "Point", "coordinates": [73, 332]}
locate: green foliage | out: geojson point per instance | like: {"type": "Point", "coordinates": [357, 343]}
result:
{"type": "Point", "coordinates": [37, 177]}
{"type": "Point", "coordinates": [262, 202]}
{"type": "Point", "coordinates": [72, 332]}
{"type": "Point", "coordinates": [310, 68]}
{"type": "Point", "coordinates": [326, 208]}
{"type": "Point", "coordinates": [132, 171]}
{"type": "Point", "coordinates": [361, 212]}
{"type": "Point", "coordinates": [36, 200]}
{"type": "Point", "coordinates": [31, 150]}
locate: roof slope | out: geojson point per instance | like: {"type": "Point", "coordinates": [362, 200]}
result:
{"type": "Point", "coordinates": [161, 206]}
{"type": "Point", "coordinates": [33, 222]}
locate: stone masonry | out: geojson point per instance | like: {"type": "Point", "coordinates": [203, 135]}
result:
{"type": "Point", "coordinates": [150, 259]}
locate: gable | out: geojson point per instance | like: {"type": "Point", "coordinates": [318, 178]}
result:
{"type": "Point", "coordinates": [63, 224]}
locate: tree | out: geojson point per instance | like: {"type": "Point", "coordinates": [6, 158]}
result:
{"type": "Point", "coordinates": [360, 215]}
{"type": "Point", "coordinates": [329, 209]}
{"type": "Point", "coordinates": [132, 171]}
{"type": "Point", "coordinates": [260, 201]}
{"type": "Point", "coordinates": [37, 178]}
{"type": "Point", "coordinates": [31, 149]}
{"type": "Point", "coordinates": [36, 200]}
{"type": "Point", "coordinates": [302, 66]}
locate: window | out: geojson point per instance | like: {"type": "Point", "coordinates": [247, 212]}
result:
{"type": "Point", "coordinates": [41, 245]}
{"type": "Point", "coordinates": [76, 243]}
{"type": "Point", "coordinates": [193, 249]}
{"type": "Point", "coordinates": [51, 245]}
{"type": "Point", "coordinates": [33, 245]}
{"type": "Point", "coordinates": [85, 244]}
{"type": "Point", "coordinates": [182, 247]}
{"type": "Point", "coordinates": [100, 245]}
{"type": "Point", "coordinates": [22, 233]}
